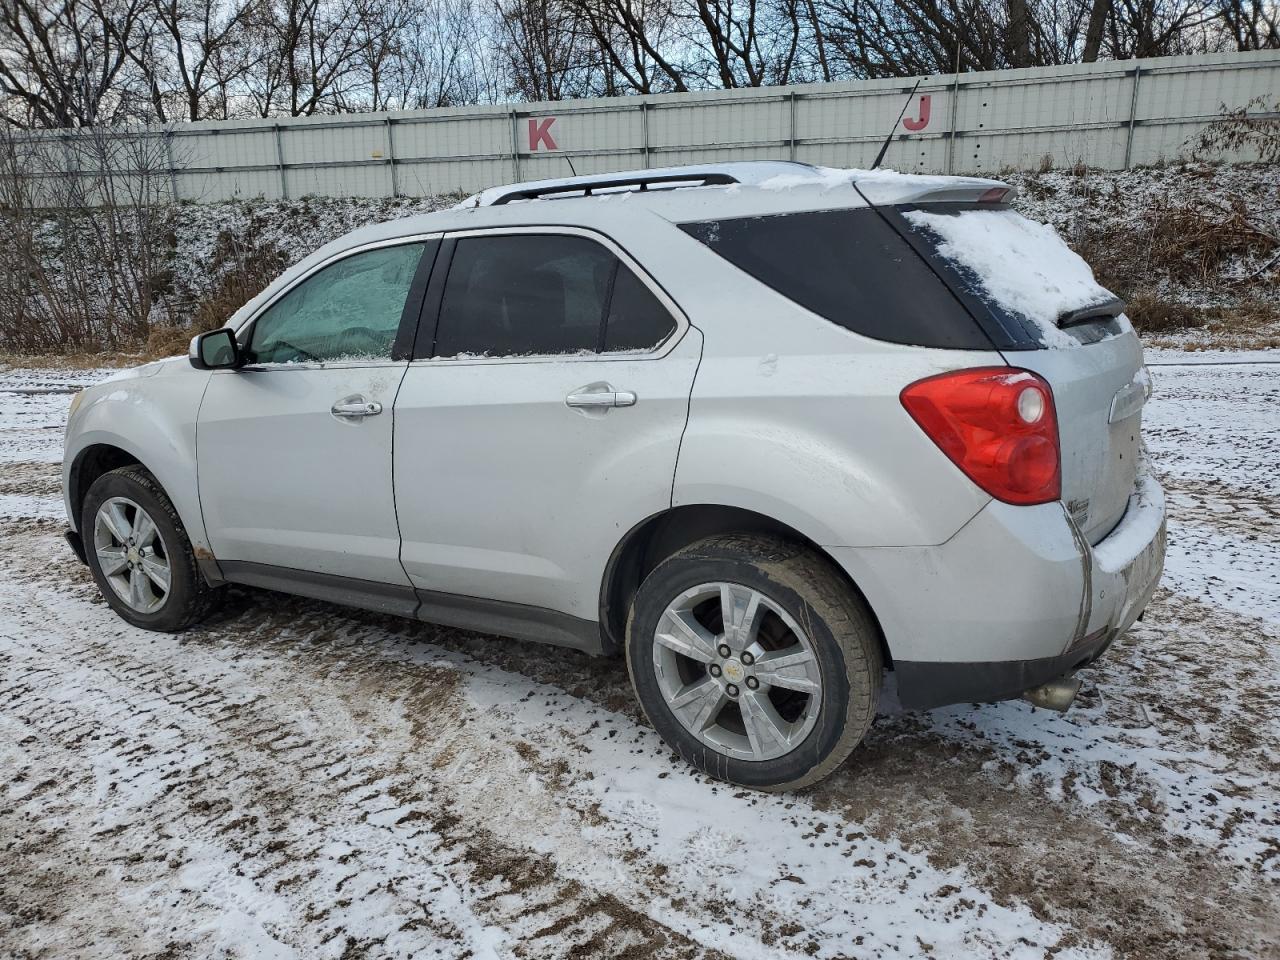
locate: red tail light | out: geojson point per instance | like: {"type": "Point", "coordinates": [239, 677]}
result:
{"type": "Point", "coordinates": [998, 425]}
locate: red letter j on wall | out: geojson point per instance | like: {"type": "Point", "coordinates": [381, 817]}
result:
{"type": "Point", "coordinates": [913, 124]}
{"type": "Point", "coordinates": [540, 134]}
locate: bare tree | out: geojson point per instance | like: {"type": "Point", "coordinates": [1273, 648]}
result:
{"type": "Point", "coordinates": [64, 64]}
{"type": "Point", "coordinates": [636, 39]}
{"type": "Point", "coordinates": [381, 31]}
{"type": "Point", "coordinates": [1019, 34]}
{"type": "Point", "coordinates": [307, 55]}
{"type": "Point", "coordinates": [1252, 24]}
{"type": "Point", "coordinates": [87, 216]}
{"type": "Point", "coordinates": [1159, 28]}
{"type": "Point", "coordinates": [1099, 11]}
{"type": "Point", "coordinates": [444, 60]}
{"type": "Point", "coordinates": [546, 47]}
{"type": "Point", "coordinates": [76, 63]}
{"type": "Point", "coordinates": [189, 51]}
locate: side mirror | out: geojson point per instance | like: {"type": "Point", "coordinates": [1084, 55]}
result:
{"type": "Point", "coordinates": [216, 350]}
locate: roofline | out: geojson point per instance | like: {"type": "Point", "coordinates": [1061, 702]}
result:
{"type": "Point", "coordinates": [884, 186]}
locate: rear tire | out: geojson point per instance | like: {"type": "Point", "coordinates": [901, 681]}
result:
{"type": "Point", "coordinates": [779, 699]}
{"type": "Point", "coordinates": [140, 554]}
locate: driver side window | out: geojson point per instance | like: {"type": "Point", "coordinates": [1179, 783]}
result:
{"type": "Point", "coordinates": [350, 310]}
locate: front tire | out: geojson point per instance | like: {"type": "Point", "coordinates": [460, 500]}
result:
{"type": "Point", "coordinates": [140, 554]}
{"type": "Point", "coordinates": [754, 660]}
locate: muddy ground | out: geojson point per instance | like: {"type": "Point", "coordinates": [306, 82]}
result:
{"type": "Point", "coordinates": [296, 779]}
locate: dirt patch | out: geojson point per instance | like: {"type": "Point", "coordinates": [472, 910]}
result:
{"type": "Point", "coordinates": [341, 783]}
{"type": "Point", "coordinates": [1251, 513]}
{"type": "Point", "coordinates": [1147, 895]}
{"type": "Point", "coordinates": [1145, 892]}
{"type": "Point", "coordinates": [32, 479]}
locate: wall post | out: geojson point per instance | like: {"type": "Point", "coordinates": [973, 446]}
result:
{"type": "Point", "coordinates": [515, 147]}
{"type": "Point", "coordinates": [173, 171]}
{"type": "Point", "coordinates": [644, 134]}
{"type": "Point", "coordinates": [284, 182]}
{"type": "Point", "coordinates": [791, 96]}
{"type": "Point", "coordinates": [951, 125]}
{"type": "Point", "coordinates": [391, 160]}
{"type": "Point", "coordinates": [1133, 115]}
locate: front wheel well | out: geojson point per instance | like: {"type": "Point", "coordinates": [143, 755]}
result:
{"type": "Point", "coordinates": [660, 536]}
{"type": "Point", "coordinates": [91, 463]}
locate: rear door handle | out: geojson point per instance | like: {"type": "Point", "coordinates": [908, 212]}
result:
{"type": "Point", "coordinates": [598, 399]}
{"type": "Point", "coordinates": [353, 408]}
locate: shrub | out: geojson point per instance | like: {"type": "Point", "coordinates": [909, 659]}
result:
{"type": "Point", "coordinates": [1237, 131]}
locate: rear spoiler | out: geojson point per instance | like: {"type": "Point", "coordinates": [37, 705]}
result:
{"type": "Point", "coordinates": [886, 188]}
{"type": "Point", "coordinates": [1106, 310]}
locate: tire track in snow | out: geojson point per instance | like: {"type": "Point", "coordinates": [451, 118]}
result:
{"type": "Point", "coordinates": [1215, 503]}
{"type": "Point", "coordinates": [306, 644]}
{"type": "Point", "coordinates": [186, 754]}
{"type": "Point", "coordinates": [1185, 904]}
{"type": "Point", "coordinates": [314, 769]}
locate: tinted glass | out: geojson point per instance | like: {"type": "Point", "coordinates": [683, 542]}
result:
{"type": "Point", "coordinates": [524, 295]}
{"type": "Point", "coordinates": [850, 267]}
{"type": "Point", "coordinates": [637, 319]}
{"type": "Point", "coordinates": [349, 310]}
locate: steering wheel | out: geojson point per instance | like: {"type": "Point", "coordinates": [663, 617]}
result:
{"type": "Point", "coordinates": [368, 334]}
{"type": "Point", "coordinates": [302, 355]}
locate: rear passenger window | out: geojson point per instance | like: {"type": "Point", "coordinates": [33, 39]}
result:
{"type": "Point", "coordinates": [637, 320]}
{"type": "Point", "coordinates": [544, 294]}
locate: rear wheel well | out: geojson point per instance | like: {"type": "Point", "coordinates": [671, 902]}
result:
{"type": "Point", "coordinates": [662, 535]}
{"type": "Point", "coordinates": [90, 464]}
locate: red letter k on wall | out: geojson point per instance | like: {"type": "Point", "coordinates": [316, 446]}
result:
{"type": "Point", "coordinates": [540, 133]}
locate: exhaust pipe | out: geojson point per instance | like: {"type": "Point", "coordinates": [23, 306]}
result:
{"type": "Point", "coordinates": [1055, 695]}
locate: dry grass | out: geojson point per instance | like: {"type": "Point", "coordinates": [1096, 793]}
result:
{"type": "Point", "coordinates": [1251, 324]}
{"type": "Point", "coordinates": [78, 360]}
{"type": "Point", "coordinates": [1223, 249]}
{"type": "Point", "coordinates": [1152, 313]}
{"type": "Point", "coordinates": [1179, 244]}
{"type": "Point", "coordinates": [242, 268]}
{"type": "Point", "coordinates": [1192, 244]}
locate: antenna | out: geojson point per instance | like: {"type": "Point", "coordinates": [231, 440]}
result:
{"type": "Point", "coordinates": [569, 160]}
{"type": "Point", "coordinates": [884, 147]}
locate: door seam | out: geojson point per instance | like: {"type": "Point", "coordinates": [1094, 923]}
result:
{"type": "Point", "coordinates": [688, 412]}
{"type": "Point", "coordinates": [395, 500]}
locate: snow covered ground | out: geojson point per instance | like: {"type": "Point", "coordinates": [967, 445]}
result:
{"type": "Point", "coordinates": [301, 780]}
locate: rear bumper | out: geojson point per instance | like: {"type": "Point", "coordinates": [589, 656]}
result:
{"type": "Point", "coordinates": [923, 685]}
{"type": "Point", "coordinates": [1015, 599]}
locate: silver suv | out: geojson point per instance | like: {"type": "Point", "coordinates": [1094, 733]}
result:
{"type": "Point", "coordinates": [765, 429]}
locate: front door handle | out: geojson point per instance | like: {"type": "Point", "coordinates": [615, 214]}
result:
{"type": "Point", "coordinates": [601, 399]}
{"type": "Point", "coordinates": [353, 408]}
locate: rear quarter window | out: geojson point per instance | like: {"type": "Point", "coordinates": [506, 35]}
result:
{"type": "Point", "coordinates": [849, 267]}
{"type": "Point", "coordinates": [1019, 270]}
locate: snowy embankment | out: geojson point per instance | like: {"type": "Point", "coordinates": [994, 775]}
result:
{"type": "Point", "coordinates": [1114, 218]}
{"type": "Point", "coordinates": [297, 779]}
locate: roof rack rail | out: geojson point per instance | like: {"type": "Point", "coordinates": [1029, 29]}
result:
{"type": "Point", "coordinates": [586, 185]}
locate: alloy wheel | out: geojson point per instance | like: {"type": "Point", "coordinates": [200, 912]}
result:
{"type": "Point", "coordinates": [737, 671]}
{"type": "Point", "coordinates": [131, 554]}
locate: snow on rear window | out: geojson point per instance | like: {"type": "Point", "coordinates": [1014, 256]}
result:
{"type": "Point", "coordinates": [1023, 266]}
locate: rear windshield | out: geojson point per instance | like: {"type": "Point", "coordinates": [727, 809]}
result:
{"type": "Point", "coordinates": [850, 267]}
{"type": "Point", "coordinates": [1015, 266]}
